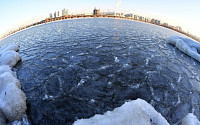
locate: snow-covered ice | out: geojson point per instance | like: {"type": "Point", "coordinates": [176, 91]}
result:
{"type": "Point", "coordinates": [5, 68]}
{"type": "Point", "coordinates": [12, 98]}
{"type": "Point", "coordinates": [12, 102]}
{"type": "Point", "coordinates": [12, 46]}
{"type": "Point", "coordinates": [7, 77]}
{"type": "Point", "coordinates": [187, 46]}
{"type": "Point", "coordinates": [190, 119]}
{"type": "Point", "coordinates": [136, 112]}
{"type": "Point", "coordinates": [9, 58]}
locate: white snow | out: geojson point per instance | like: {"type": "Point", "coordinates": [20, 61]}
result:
{"type": "Point", "coordinates": [137, 112]}
{"type": "Point", "coordinates": [12, 101]}
{"type": "Point", "coordinates": [9, 58]}
{"type": "Point", "coordinates": [12, 46]}
{"type": "Point", "coordinates": [12, 98]}
{"type": "Point", "coordinates": [187, 46]}
{"type": "Point", "coordinates": [6, 78]}
{"type": "Point", "coordinates": [190, 119]}
{"type": "Point", "coordinates": [5, 68]}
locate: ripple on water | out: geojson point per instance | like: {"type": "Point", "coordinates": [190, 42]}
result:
{"type": "Point", "coordinates": [77, 68]}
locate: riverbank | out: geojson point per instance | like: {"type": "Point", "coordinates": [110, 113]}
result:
{"type": "Point", "coordinates": [95, 16]}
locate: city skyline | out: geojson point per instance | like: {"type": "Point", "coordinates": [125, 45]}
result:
{"type": "Point", "coordinates": [18, 17]}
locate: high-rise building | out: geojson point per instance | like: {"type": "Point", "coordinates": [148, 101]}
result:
{"type": "Point", "coordinates": [165, 24]}
{"type": "Point", "coordinates": [58, 14]}
{"type": "Point", "coordinates": [67, 12]}
{"type": "Point", "coordinates": [64, 12]}
{"type": "Point", "coordinates": [50, 15]}
{"type": "Point", "coordinates": [153, 21]}
{"type": "Point", "coordinates": [129, 15]}
{"type": "Point", "coordinates": [178, 28]}
{"type": "Point", "coordinates": [136, 17]}
{"type": "Point", "coordinates": [55, 14]}
{"type": "Point", "coordinates": [96, 12]}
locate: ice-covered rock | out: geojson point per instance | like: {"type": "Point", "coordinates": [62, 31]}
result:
{"type": "Point", "coordinates": [24, 121]}
{"type": "Point", "coordinates": [190, 119]}
{"type": "Point", "coordinates": [12, 98]}
{"type": "Point", "coordinates": [137, 112]}
{"type": "Point", "coordinates": [9, 58]}
{"type": "Point", "coordinates": [7, 77]}
{"type": "Point", "coordinates": [187, 46]}
{"type": "Point", "coordinates": [12, 101]}
{"type": "Point", "coordinates": [12, 46]}
{"type": "Point", "coordinates": [5, 68]}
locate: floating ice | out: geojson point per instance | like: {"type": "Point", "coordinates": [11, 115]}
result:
{"type": "Point", "coordinates": [9, 58]}
{"type": "Point", "coordinates": [188, 46]}
{"type": "Point", "coordinates": [116, 59]}
{"type": "Point", "coordinates": [137, 112]}
{"type": "Point", "coordinates": [190, 119]}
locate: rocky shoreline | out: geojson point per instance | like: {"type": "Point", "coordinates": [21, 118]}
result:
{"type": "Point", "coordinates": [12, 98]}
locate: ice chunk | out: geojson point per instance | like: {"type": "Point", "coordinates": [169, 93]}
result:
{"type": "Point", "coordinates": [137, 112]}
{"type": "Point", "coordinates": [23, 122]}
{"type": "Point", "coordinates": [190, 119]}
{"type": "Point", "coordinates": [7, 77]}
{"type": "Point", "coordinates": [9, 58]}
{"type": "Point", "coordinates": [11, 46]}
{"type": "Point", "coordinates": [187, 46]}
{"type": "Point", "coordinates": [12, 101]}
{"type": "Point", "coordinates": [5, 68]}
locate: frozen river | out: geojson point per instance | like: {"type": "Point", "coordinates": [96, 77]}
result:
{"type": "Point", "coordinates": [77, 68]}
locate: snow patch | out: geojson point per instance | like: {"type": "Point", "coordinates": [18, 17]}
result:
{"type": "Point", "coordinates": [12, 98]}
{"type": "Point", "coordinates": [12, 102]}
{"type": "Point", "coordinates": [9, 58]}
{"type": "Point", "coordinates": [7, 77]}
{"type": "Point", "coordinates": [137, 112]}
{"type": "Point", "coordinates": [187, 46]}
{"type": "Point", "coordinates": [190, 119]}
{"type": "Point", "coordinates": [12, 46]}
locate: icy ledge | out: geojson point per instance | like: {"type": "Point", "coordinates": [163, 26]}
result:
{"type": "Point", "coordinates": [136, 112]}
{"type": "Point", "coordinates": [187, 46]}
{"type": "Point", "coordinates": [12, 98]}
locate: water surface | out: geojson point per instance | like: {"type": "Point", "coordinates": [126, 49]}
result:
{"type": "Point", "coordinates": [77, 68]}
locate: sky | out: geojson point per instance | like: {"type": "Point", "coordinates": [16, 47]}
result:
{"type": "Point", "coordinates": [184, 13]}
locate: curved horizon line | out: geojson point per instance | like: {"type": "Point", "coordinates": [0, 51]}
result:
{"type": "Point", "coordinates": [47, 20]}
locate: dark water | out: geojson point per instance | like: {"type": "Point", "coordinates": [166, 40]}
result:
{"type": "Point", "coordinates": [77, 68]}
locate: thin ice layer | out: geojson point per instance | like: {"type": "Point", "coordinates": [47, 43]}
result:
{"type": "Point", "coordinates": [187, 46]}
{"type": "Point", "coordinates": [137, 112]}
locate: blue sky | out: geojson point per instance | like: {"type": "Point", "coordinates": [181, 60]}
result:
{"type": "Point", "coordinates": [184, 13]}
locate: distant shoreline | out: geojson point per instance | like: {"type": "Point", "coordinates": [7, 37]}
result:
{"type": "Point", "coordinates": [47, 20]}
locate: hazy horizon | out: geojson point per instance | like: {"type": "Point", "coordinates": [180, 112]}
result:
{"type": "Point", "coordinates": [177, 13]}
